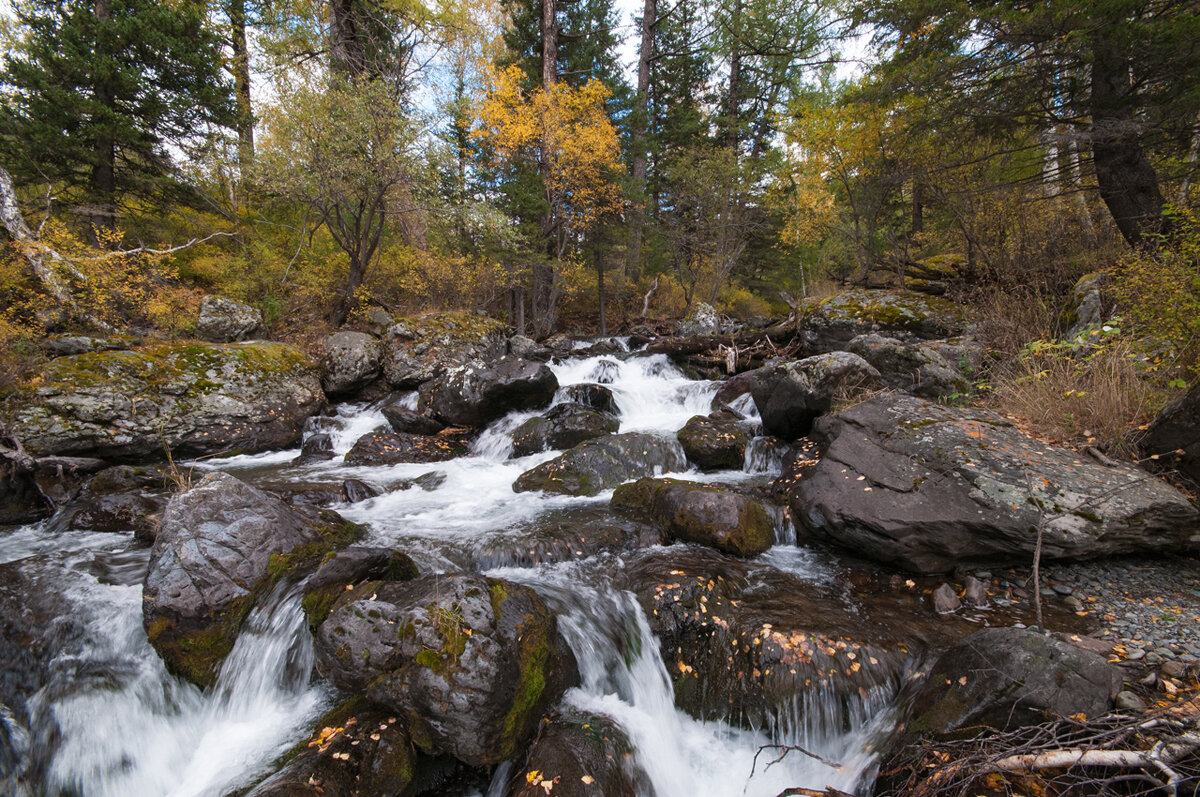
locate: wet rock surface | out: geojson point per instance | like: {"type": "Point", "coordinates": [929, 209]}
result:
{"type": "Point", "coordinates": [562, 426]}
{"type": "Point", "coordinates": [598, 397]}
{"type": "Point", "coordinates": [197, 399]}
{"type": "Point", "coordinates": [929, 488]}
{"type": "Point", "coordinates": [417, 350]}
{"type": "Point", "coordinates": [700, 513]}
{"type": "Point", "coordinates": [579, 755]}
{"type": "Point", "coordinates": [390, 448]}
{"type": "Point", "coordinates": [221, 545]}
{"type": "Point", "coordinates": [603, 463]}
{"type": "Point", "coordinates": [469, 662]}
{"type": "Point", "coordinates": [791, 396]}
{"type": "Point", "coordinates": [716, 442]}
{"type": "Point", "coordinates": [406, 421]}
{"type": "Point", "coordinates": [478, 395]}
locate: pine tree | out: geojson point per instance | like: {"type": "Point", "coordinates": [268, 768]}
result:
{"type": "Point", "coordinates": [99, 93]}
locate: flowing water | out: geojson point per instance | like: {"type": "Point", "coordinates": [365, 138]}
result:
{"type": "Point", "coordinates": [112, 721]}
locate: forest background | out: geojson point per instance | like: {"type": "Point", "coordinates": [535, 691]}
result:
{"type": "Point", "coordinates": [319, 158]}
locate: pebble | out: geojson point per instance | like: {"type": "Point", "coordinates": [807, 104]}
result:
{"type": "Point", "coordinates": [1061, 589]}
{"type": "Point", "coordinates": [1129, 702]}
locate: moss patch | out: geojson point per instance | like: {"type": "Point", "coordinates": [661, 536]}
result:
{"type": "Point", "coordinates": [534, 658]}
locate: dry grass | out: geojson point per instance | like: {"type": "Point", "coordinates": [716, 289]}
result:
{"type": "Point", "coordinates": [1077, 400]}
{"type": "Point", "coordinates": [1009, 319]}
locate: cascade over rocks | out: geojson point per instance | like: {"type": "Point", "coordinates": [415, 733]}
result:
{"type": "Point", "coordinates": [416, 350]}
{"type": "Point", "coordinates": [351, 361]}
{"type": "Point", "coordinates": [1008, 677]}
{"type": "Point", "coordinates": [598, 397]}
{"type": "Point", "coordinates": [406, 421]}
{"type": "Point", "coordinates": [700, 513]}
{"type": "Point", "coordinates": [221, 545]}
{"type": "Point", "coordinates": [580, 755]}
{"type": "Point", "coordinates": [225, 320]}
{"type": "Point", "coordinates": [198, 399]}
{"type": "Point", "coordinates": [916, 368]}
{"type": "Point", "coordinates": [791, 396]}
{"type": "Point", "coordinates": [830, 324]}
{"type": "Point", "coordinates": [390, 448]}
{"type": "Point", "coordinates": [476, 395]}
{"type": "Point", "coordinates": [562, 426]}
{"type": "Point", "coordinates": [603, 463]}
{"type": "Point", "coordinates": [715, 442]}
{"type": "Point", "coordinates": [316, 448]}
{"type": "Point", "coordinates": [927, 488]}
{"type": "Point", "coordinates": [470, 663]}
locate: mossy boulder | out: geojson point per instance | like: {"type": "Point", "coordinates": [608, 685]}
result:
{"type": "Point", "coordinates": [476, 395]}
{"type": "Point", "coordinates": [715, 442]}
{"type": "Point", "coordinates": [416, 350]}
{"type": "Point", "coordinates": [917, 368]}
{"type": "Point", "coordinates": [195, 398]}
{"type": "Point", "coordinates": [829, 324]}
{"type": "Point", "coordinates": [351, 361]}
{"type": "Point", "coordinates": [928, 488]}
{"type": "Point", "coordinates": [562, 426]}
{"type": "Point", "coordinates": [224, 320]}
{"type": "Point", "coordinates": [221, 546]}
{"type": "Point", "coordinates": [700, 513]}
{"type": "Point", "coordinates": [341, 570]}
{"type": "Point", "coordinates": [603, 463]}
{"type": "Point", "coordinates": [468, 662]}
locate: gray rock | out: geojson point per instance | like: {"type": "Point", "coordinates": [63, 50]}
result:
{"type": "Point", "coordinates": [945, 600]}
{"type": "Point", "coordinates": [355, 490]}
{"type": "Point", "coordinates": [417, 350]}
{"type": "Point", "coordinates": [408, 421]}
{"type": "Point", "coordinates": [715, 443]}
{"type": "Point", "coordinates": [975, 592]}
{"type": "Point", "coordinates": [351, 361]}
{"type": "Point", "coordinates": [1128, 701]}
{"type": "Point", "coordinates": [479, 394]}
{"type": "Point", "coordinates": [580, 755]}
{"type": "Point", "coordinates": [473, 662]}
{"type": "Point", "coordinates": [700, 513]}
{"type": "Point", "coordinates": [1010, 677]}
{"type": "Point", "coordinates": [65, 345]}
{"type": "Point", "coordinates": [830, 324]}
{"type": "Point", "coordinates": [562, 426]}
{"type": "Point", "coordinates": [1084, 307]}
{"type": "Point", "coordinates": [196, 398]}
{"type": "Point", "coordinates": [928, 488]}
{"type": "Point", "coordinates": [702, 320]}
{"type": "Point", "coordinates": [528, 349]}
{"type": "Point", "coordinates": [227, 320]}
{"type": "Point", "coordinates": [379, 321]}
{"type": "Point", "coordinates": [220, 546]}
{"type": "Point", "coordinates": [598, 397]}
{"type": "Point", "coordinates": [317, 448]}
{"type": "Point", "coordinates": [390, 448]}
{"type": "Point", "coordinates": [915, 368]}
{"type": "Point", "coordinates": [603, 463]}
{"type": "Point", "coordinates": [791, 396]}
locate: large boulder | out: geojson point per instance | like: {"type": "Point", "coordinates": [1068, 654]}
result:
{"type": "Point", "coordinates": [195, 398]}
{"type": "Point", "coordinates": [117, 499]}
{"type": "Point", "coordinates": [579, 755]}
{"type": "Point", "coordinates": [792, 395]}
{"type": "Point", "coordinates": [479, 394]}
{"type": "Point", "coordinates": [406, 421]}
{"type": "Point", "coordinates": [928, 488]}
{"type": "Point", "coordinates": [1009, 677]}
{"type": "Point", "coordinates": [829, 324]}
{"type": "Point", "coordinates": [343, 569]}
{"type": "Point", "coordinates": [1084, 307]}
{"type": "Point", "coordinates": [221, 545]}
{"type": "Point", "coordinates": [916, 368]}
{"type": "Point", "coordinates": [562, 426]}
{"type": "Point", "coordinates": [227, 320]}
{"type": "Point", "coordinates": [701, 513]}
{"type": "Point", "coordinates": [603, 463]}
{"type": "Point", "coordinates": [470, 663]}
{"type": "Point", "coordinates": [702, 320]}
{"type": "Point", "coordinates": [714, 442]}
{"type": "Point", "coordinates": [417, 350]}
{"type": "Point", "coordinates": [598, 397]}
{"type": "Point", "coordinates": [1172, 440]}
{"type": "Point", "coordinates": [390, 448]}
{"type": "Point", "coordinates": [351, 361]}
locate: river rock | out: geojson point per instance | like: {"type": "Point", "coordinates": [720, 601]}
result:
{"type": "Point", "coordinates": [747, 643]}
{"type": "Point", "coordinates": [1172, 442]}
{"type": "Point", "coordinates": [830, 324]}
{"type": "Point", "coordinates": [927, 488]}
{"type": "Point", "coordinates": [119, 499]}
{"type": "Point", "coordinates": [221, 545]}
{"type": "Point", "coordinates": [197, 399]}
{"type": "Point", "coordinates": [732, 389]}
{"type": "Point", "coordinates": [791, 396]}
{"type": "Point", "coordinates": [915, 368]}
{"type": "Point", "coordinates": [579, 755]}
{"type": "Point", "coordinates": [355, 490]}
{"type": "Point", "coordinates": [347, 567]}
{"type": "Point", "coordinates": [390, 448]}
{"type": "Point", "coordinates": [562, 426]}
{"type": "Point", "coordinates": [479, 394]}
{"type": "Point", "coordinates": [1009, 677]}
{"type": "Point", "coordinates": [225, 320]}
{"type": "Point", "coordinates": [472, 663]}
{"type": "Point", "coordinates": [701, 513]}
{"type": "Point", "coordinates": [351, 361]}
{"type": "Point", "coordinates": [560, 534]}
{"type": "Point", "coordinates": [598, 397]}
{"type": "Point", "coordinates": [316, 448]}
{"type": "Point", "coordinates": [715, 442]}
{"type": "Point", "coordinates": [528, 349]}
{"type": "Point", "coordinates": [406, 421]}
{"type": "Point", "coordinates": [702, 320]}
{"type": "Point", "coordinates": [417, 350]}
{"type": "Point", "coordinates": [603, 463]}
{"type": "Point", "coordinates": [357, 751]}
{"type": "Point", "coordinates": [64, 345]}
{"type": "Point", "coordinates": [1084, 307]}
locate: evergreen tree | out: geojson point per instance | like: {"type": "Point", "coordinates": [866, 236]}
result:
{"type": "Point", "coordinates": [99, 93]}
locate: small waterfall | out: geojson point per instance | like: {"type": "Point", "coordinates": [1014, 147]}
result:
{"type": "Point", "coordinates": [764, 455]}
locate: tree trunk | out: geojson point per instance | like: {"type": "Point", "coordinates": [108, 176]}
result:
{"type": "Point", "coordinates": [549, 43]}
{"type": "Point", "coordinates": [1127, 180]}
{"type": "Point", "coordinates": [735, 75]}
{"type": "Point", "coordinates": [241, 84]}
{"type": "Point", "coordinates": [14, 222]}
{"type": "Point", "coordinates": [104, 148]}
{"type": "Point", "coordinates": [600, 291]}
{"type": "Point", "coordinates": [641, 119]}
{"type": "Point", "coordinates": [347, 53]}
{"type": "Point", "coordinates": [918, 208]}
{"type": "Point", "coordinates": [541, 289]}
